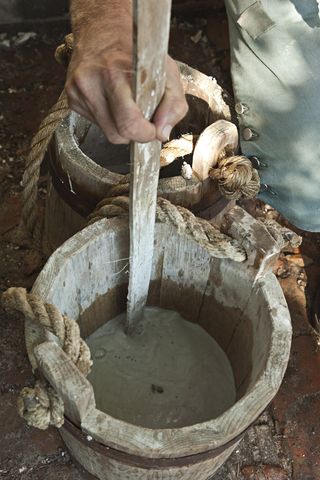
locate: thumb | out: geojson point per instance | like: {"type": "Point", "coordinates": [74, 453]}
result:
{"type": "Point", "coordinates": [173, 106]}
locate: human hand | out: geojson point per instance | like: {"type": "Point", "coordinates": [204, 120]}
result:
{"type": "Point", "coordinates": [99, 88]}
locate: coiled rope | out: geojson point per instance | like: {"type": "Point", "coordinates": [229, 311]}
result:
{"type": "Point", "coordinates": [236, 177]}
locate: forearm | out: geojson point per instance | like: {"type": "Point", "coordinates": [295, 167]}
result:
{"type": "Point", "coordinates": [99, 75]}
{"type": "Point", "coordinates": [107, 21]}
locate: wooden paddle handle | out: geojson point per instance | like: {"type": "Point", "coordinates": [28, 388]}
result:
{"type": "Point", "coordinates": [151, 37]}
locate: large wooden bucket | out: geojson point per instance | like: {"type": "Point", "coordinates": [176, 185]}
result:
{"type": "Point", "coordinates": [84, 165]}
{"type": "Point", "coordinates": [241, 305]}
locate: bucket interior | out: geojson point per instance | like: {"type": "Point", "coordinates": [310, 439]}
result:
{"type": "Point", "coordinates": [116, 158]}
{"type": "Point", "coordinates": [230, 327]}
{"type": "Point", "coordinates": [205, 291]}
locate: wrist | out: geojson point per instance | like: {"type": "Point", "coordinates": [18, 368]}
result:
{"type": "Point", "coordinates": [104, 25]}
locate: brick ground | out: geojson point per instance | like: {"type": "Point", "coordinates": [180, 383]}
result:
{"type": "Point", "coordinates": [284, 442]}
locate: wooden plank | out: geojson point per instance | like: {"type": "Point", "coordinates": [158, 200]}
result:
{"type": "Point", "coordinates": [74, 389]}
{"type": "Point", "coordinates": [182, 289]}
{"type": "Point", "coordinates": [152, 23]}
{"type": "Point", "coordinates": [262, 249]}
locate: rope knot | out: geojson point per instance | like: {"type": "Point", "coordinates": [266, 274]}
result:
{"type": "Point", "coordinates": [41, 406]}
{"type": "Point", "coordinates": [236, 177]}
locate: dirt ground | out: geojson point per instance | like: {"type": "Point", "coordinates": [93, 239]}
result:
{"type": "Point", "coordinates": [285, 441]}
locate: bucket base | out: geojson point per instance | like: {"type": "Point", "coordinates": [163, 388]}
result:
{"type": "Point", "coordinates": [109, 464]}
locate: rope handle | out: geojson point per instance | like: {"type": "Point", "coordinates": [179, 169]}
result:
{"type": "Point", "coordinates": [218, 244]}
{"type": "Point", "coordinates": [41, 406]}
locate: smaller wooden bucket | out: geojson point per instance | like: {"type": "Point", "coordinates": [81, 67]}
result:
{"type": "Point", "coordinates": [84, 165]}
{"type": "Point", "coordinates": [241, 305]}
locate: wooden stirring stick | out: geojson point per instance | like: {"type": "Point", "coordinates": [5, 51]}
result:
{"type": "Point", "coordinates": [151, 37]}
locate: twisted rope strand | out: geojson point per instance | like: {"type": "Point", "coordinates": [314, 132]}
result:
{"type": "Point", "coordinates": [203, 232]}
{"type": "Point", "coordinates": [32, 307]}
{"type": "Point", "coordinates": [41, 406]}
{"type": "Point", "coordinates": [34, 160]}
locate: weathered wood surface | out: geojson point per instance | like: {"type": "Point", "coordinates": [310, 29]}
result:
{"type": "Point", "coordinates": [106, 468]}
{"type": "Point", "coordinates": [74, 389]}
{"type": "Point", "coordinates": [248, 317]}
{"type": "Point", "coordinates": [61, 221]}
{"type": "Point", "coordinates": [78, 146]}
{"type": "Point", "coordinates": [262, 249]}
{"type": "Point", "coordinates": [152, 25]}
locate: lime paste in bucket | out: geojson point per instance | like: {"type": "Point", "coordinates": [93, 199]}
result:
{"type": "Point", "coordinates": [169, 373]}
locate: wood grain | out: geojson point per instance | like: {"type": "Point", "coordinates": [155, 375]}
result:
{"type": "Point", "coordinates": [152, 23]}
{"type": "Point", "coordinates": [74, 389]}
{"type": "Point", "coordinates": [106, 468]}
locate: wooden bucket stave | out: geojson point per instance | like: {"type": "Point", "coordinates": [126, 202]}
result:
{"type": "Point", "coordinates": [80, 176]}
{"type": "Point", "coordinates": [240, 305]}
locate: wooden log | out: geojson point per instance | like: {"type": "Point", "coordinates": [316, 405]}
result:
{"type": "Point", "coordinates": [152, 20]}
